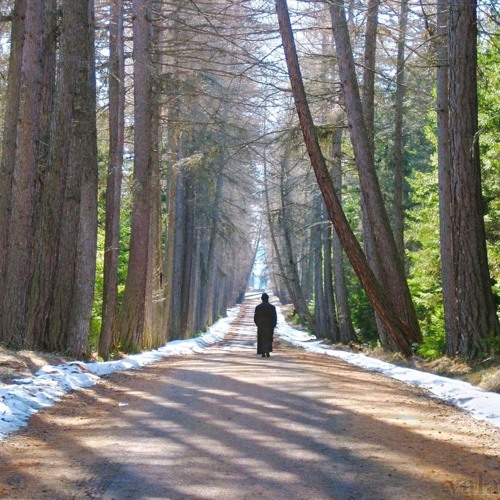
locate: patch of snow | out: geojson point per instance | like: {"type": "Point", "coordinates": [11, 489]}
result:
{"type": "Point", "coordinates": [479, 404]}
{"type": "Point", "coordinates": [20, 400]}
{"type": "Point", "coordinates": [23, 398]}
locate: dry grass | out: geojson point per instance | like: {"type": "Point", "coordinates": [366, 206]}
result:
{"type": "Point", "coordinates": [19, 364]}
{"type": "Point", "coordinates": [484, 374]}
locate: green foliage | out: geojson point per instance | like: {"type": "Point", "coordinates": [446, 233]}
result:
{"type": "Point", "coordinates": [423, 220]}
{"type": "Point", "coordinates": [491, 345]}
{"type": "Point", "coordinates": [96, 318]}
{"type": "Point", "coordinates": [489, 125]}
{"type": "Point", "coordinates": [361, 312]}
{"type": "Point", "coordinates": [424, 260]}
{"type": "Point", "coordinates": [294, 319]}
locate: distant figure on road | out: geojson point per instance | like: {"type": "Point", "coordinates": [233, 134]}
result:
{"type": "Point", "coordinates": [265, 318]}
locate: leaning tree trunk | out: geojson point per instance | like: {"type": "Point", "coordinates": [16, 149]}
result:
{"type": "Point", "coordinates": [477, 319]}
{"type": "Point", "coordinates": [368, 105]}
{"type": "Point", "coordinates": [134, 323]}
{"type": "Point", "coordinates": [393, 274]}
{"type": "Point", "coordinates": [395, 324]}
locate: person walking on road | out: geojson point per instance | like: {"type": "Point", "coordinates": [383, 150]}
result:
{"type": "Point", "coordinates": [265, 318]}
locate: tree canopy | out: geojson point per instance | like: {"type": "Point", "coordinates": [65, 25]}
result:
{"type": "Point", "coordinates": [151, 149]}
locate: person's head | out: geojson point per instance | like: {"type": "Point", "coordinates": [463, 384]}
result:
{"type": "Point", "coordinates": [265, 297]}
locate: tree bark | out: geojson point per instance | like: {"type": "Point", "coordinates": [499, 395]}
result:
{"type": "Point", "coordinates": [396, 326]}
{"type": "Point", "coordinates": [187, 258]}
{"type": "Point", "coordinates": [134, 323]}
{"type": "Point", "coordinates": [40, 286]}
{"type": "Point", "coordinates": [346, 329]}
{"type": "Point", "coordinates": [289, 259]}
{"type": "Point", "coordinates": [208, 296]}
{"type": "Point", "coordinates": [333, 310]}
{"type": "Point", "coordinates": [9, 140]}
{"type": "Point", "coordinates": [393, 275]}
{"type": "Point", "coordinates": [24, 186]}
{"type": "Point", "coordinates": [398, 156]}
{"type": "Point", "coordinates": [320, 313]}
{"type": "Point", "coordinates": [370, 50]}
{"type": "Point", "coordinates": [444, 175]}
{"type": "Point", "coordinates": [69, 319]}
{"type": "Point", "coordinates": [477, 319]}
{"type": "Point", "coordinates": [178, 233]}
{"type": "Point", "coordinates": [368, 105]}
{"type": "Point", "coordinates": [114, 177]}
{"type": "Point", "coordinates": [157, 287]}
{"type": "Point", "coordinates": [281, 274]}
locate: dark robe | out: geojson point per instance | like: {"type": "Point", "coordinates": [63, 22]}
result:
{"type": "Point", "coordinates": [265, 318]}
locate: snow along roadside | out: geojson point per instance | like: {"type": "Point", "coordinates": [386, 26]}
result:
{"type": "Point", "coordinates": [23, 398]}
{"type": "Point", "coordinates": [480, 404]}
{"type": "Point", "coordinates": [26, 396]}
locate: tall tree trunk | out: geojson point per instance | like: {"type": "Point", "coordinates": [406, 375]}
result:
{"type": "Point", "coordinates": [393, 270]}
{"type": "Point", "coordinates": [187, 258]}
{"type": "Point", "coordinates": [134, 323]}
{"type": "Point", "coordinates": [395, 325]}
{"type": "Point", "coordinates": [316, 233]}
{"type": "Point", "coordinates": [9, 140]}
{"type": "Point", "coordinates": [114, 178]}
{"type": "Point", "coordinates": [333, 312]}
{"type": "Point", "coordinates": [346, 329]}
{"type": "Point", "coordinates": [40, 285]}
{"type": "Point", "coordinates": [290, 261]}
{"type": "Point", "coordinates": [173, 155]}
{"type": "Point", "coordinates": [368, 105]}
{"type": "Point", "coordinates": [444, 170]}
{"type": "Point", "coordinates": [69, 318]}
{"type": "Point", "coordinates": [370, 50]}
{"type": "Point", "coordinates": [157, 302]}
{"type": "Point", "coordinates": [213, 248]}
{"type": "Point", "coordinates": [398, 156]}
{"type": "Point", "coordinates": [194, 286]}
{"type": "Point", "coordinates": [44, 328]}
{"type": "Point", "coordinates": [282, 275]}
{"type": "Point", "coordinates": [178, 233]}
{"type": "Point", "coordinates": [477, 319]}
{"type": "Point", "coordinates": [86, 131]}
{"type": "Point", "coordinates": [22, 207]}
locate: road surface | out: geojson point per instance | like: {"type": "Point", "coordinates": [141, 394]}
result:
{"type": "Point", "coordinates": [228, 424]}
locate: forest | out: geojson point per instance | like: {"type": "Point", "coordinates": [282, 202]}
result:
{"type": "Point", "coordinates": [152, 149]}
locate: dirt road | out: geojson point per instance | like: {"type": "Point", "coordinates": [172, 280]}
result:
{"type": "Point", "coordinates": [230, 425]}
